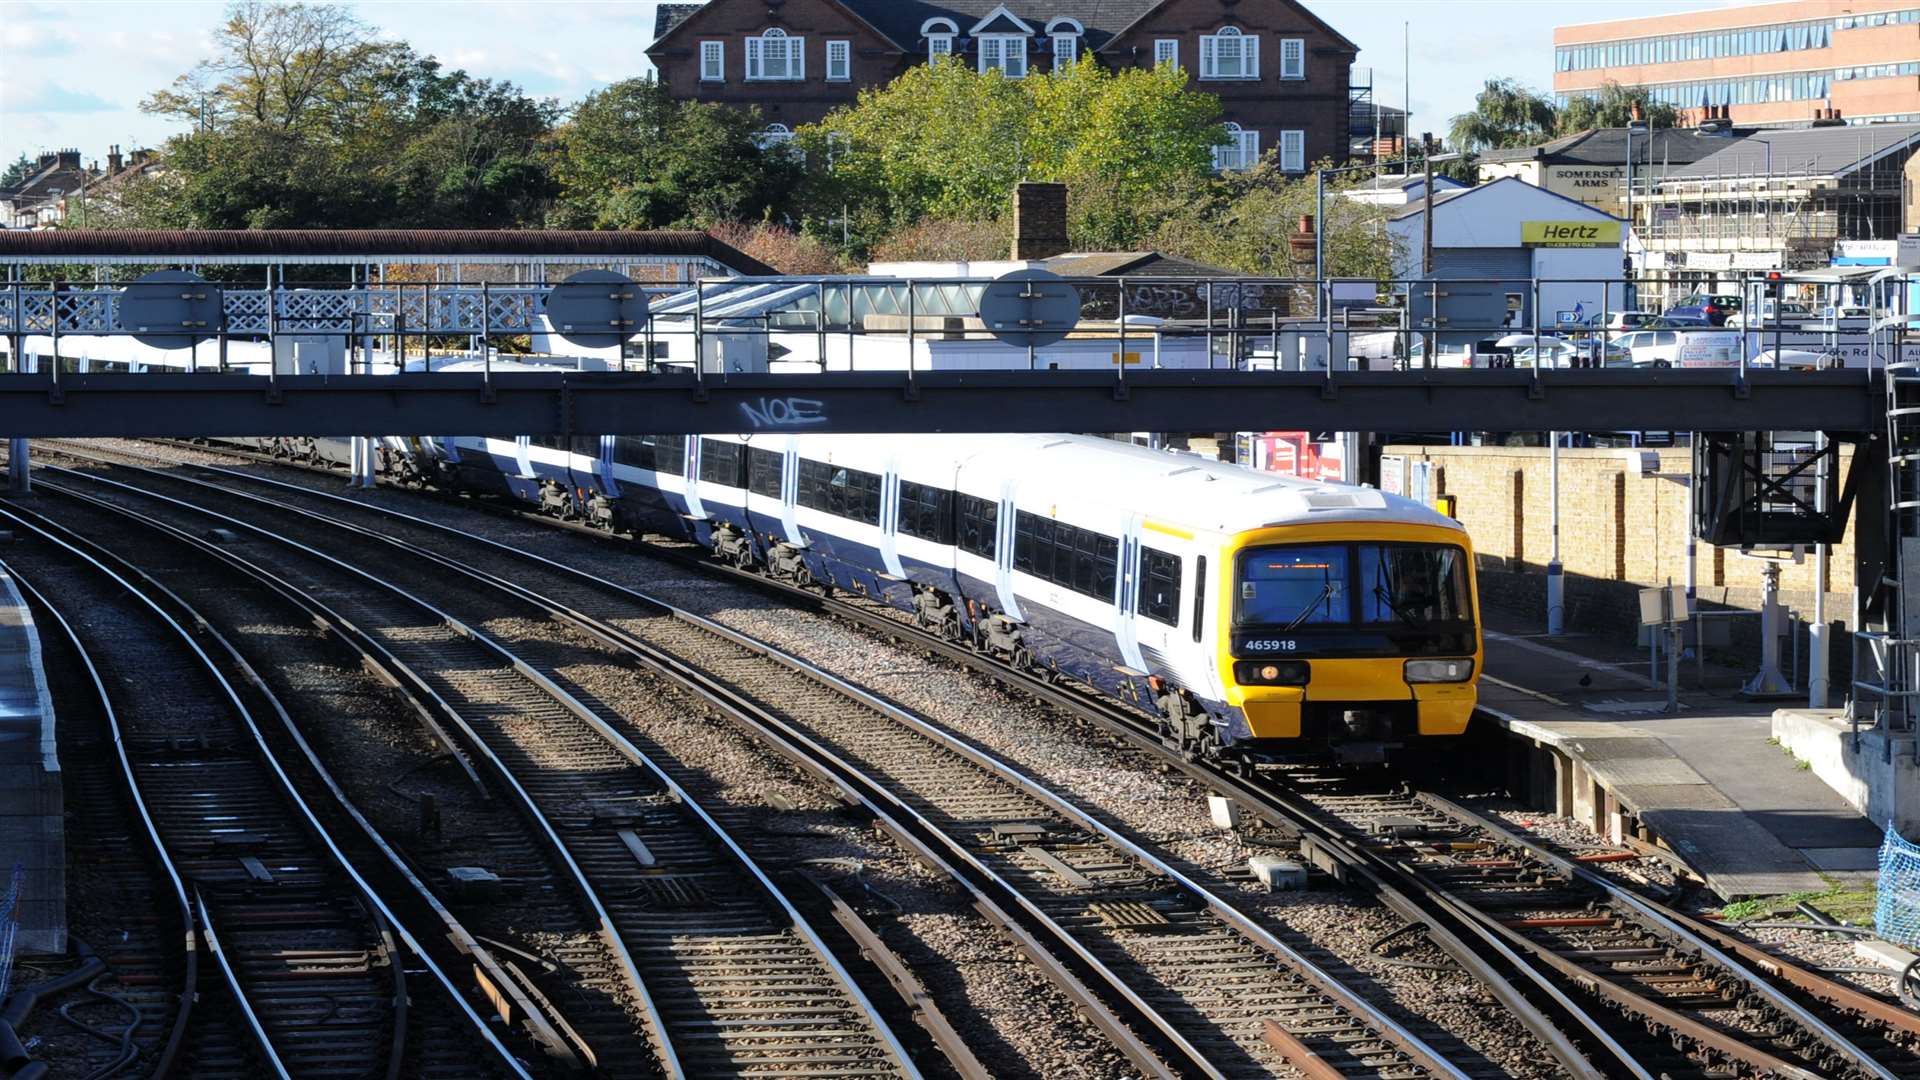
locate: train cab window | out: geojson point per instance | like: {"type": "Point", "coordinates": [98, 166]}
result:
{"type": "Point", "coordinates": [720, 462]}
{"type": "Point", "coordinates": [979, 522]}
{"type": "Point", "coordinates": [1160, 586]}
{"type": "Point", "coordinates": [764, 469]}
{"type": "Point", "coordinates": [1199, 596]}
{"type": "Point", "coordinates": [1294, 585]}
{"type": "Point", "coordinates": [1413, 583]}
{"type": "Point", "coordinates": [926, 512]}
{"type": "Point", "coordinates": [660, 453]}
{"type": "Point", "coordinates": [1079, 559]}
{"type": "Point", "coordinates": [840, 491]}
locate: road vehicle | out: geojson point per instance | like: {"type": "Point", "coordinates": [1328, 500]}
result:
{"type": "Point", "coordinates": [1715, 308]}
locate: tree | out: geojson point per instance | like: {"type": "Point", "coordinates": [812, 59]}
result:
{"type": "Point", "coordinates": [1504, 114]}
{"type": "Point", "coordinates": [1246, 222]}
{"type": "Point", "coordinates": [1613, 106]}
{"type": "Point", "coordinates": [630, 157]}
{"type": "Point", "coordinates": [21, 168]}
{"type": "Point", "coordinates": [304, 117]}
{"type": "Point", "coordinates": [948, 143]}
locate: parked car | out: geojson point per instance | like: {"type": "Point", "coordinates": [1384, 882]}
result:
{"type": "Point", "coordinates": [1785, 313]}
{"type": "Point", "coordinates": [1715, 308]}
{"type": "Point", "coordinates": [1622, 321]}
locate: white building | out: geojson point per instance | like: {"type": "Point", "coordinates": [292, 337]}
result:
{"type": "Point", "coordinates": [1494, 246]}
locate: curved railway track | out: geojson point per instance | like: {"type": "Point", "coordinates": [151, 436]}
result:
{"type": "Point", "coordinates": [1186, 981]}
{"type": "Point", "coordinates": [1731, 1007]}
{"type": "Point", "coordinates": [720, 960]}
{"type": "Point", "coordinates": [295, 964]}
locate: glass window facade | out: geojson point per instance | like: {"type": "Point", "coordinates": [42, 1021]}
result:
{"type": "Point", "coordinates": [1803, 86]}
{"type": "Point", "coordinates": [1716, 44]}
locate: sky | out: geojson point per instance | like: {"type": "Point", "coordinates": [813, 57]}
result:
{"type": "Point", "coordinates": [72, 73]}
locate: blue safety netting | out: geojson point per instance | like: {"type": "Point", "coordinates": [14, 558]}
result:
{"type": "Point", "coordinates": [1896, 917]}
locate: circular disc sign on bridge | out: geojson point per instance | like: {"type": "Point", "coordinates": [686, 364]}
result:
{"type": "Point", "coordinates": [1030, 308]}
{"type": "Point", "coordinates": [596, 309]}
{"type": "Point", "coordinates": [171, 309]}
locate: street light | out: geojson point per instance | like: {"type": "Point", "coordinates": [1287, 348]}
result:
{"type": "Point", "coordinates": [1632, 296]}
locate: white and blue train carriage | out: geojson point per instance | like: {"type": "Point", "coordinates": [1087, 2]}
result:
{"type": "Point", "coordinates": [1260, 615]}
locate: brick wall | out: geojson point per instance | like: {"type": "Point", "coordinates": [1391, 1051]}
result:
{"type": "Point", "coordinates": [1619, 532]}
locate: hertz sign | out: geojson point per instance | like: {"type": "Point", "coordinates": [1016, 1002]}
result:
{"type": "Point", "coordinates": [1570, 233]}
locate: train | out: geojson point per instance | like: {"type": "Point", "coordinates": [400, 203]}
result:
{"type": "Point", "coordinates": [1262, 618]}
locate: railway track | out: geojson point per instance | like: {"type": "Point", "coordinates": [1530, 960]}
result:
{"type": "Point", "coordinates": [293, 963]}
{"type": "Point", "coordinates": [1184, 977]}
{"type": "Point", "coordinates": [730, 975]}
{"type": "Point", "coordinates": [1732, 1009]}
{"type": "Point", "coordinates": [1187, 982]}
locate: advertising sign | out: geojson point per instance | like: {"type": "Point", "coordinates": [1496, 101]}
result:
{"type": "Point", "coordinates": [1570, 233]}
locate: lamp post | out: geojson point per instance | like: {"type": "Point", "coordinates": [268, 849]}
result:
{"type": "Point", "coordinates": [1632, 292]}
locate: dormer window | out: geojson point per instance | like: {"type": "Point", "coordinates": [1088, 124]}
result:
{"type": "Point", "coordinates": [1229, 54]}
{"type": "Point", "coordinates": [939, 34]}
{"type": "Point", "coordinates": [1006, 53]}
{"type": "Point", "coordinates": [775, 57]}
{"type": "Point", "coordinates": [1064, 35]}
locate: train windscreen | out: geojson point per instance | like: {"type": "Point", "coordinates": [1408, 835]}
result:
{"type": "Point", "coordinates": [1344, 595]}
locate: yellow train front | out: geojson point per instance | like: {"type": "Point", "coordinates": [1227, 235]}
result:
{"type": "Point", "coordinates": [1355, 637]}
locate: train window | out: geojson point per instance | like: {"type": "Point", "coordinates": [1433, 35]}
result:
{"type": "Point", "coordinates": [1067, 555]}
{"type": "Point", "coordinates": [842, 492]}
{"type": "Point", "coordinates": [764, 468]}
{"type": "Point", "coordinates": [926, 512]}
{"type": "Point", "coordinates": [1160, 586]}
{"type": "Point", "coordinates": [660, 453]}
{"type": "Point", "coordinates": [720, 462]}
{"type": "Point", "coordinates": [548, 442]}
{"type": "Point", "coordinates": [587, 445]}
{"type": "Point", "coordinates": [979, 522]}
{"type": "Point", "coordinates": [1199, 596]}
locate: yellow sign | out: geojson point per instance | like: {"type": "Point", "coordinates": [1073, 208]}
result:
{"type": "Point", "coordinates": [1570, 233]}
{"type": "Point", "coordinates": [1131, 358]}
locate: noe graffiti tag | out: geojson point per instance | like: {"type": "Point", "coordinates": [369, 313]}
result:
{"type": "Point", "coordinates": [784, 412]}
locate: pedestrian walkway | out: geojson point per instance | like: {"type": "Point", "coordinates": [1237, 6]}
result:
{"type": "Point", "coordinates": [32, 810]}
{"type": "Point", "coordinates": [1706, 780]}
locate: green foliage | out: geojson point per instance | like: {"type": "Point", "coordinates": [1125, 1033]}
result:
{"type": "Point", "coordinates": [1245, 221]}
{"type": "Point", "coordinates": [1504, 114]}
{"type": "Point", "coordinates": [631, 158]}
{"type": "Point", "coordinates": [948, 143]}
{"type": "Point", "coordinates": [21, 168]}
{"type": "Point", "coordinates": [1613, 106]}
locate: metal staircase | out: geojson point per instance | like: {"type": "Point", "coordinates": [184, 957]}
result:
{"type": "Point", "coordinates": [1886, 649]}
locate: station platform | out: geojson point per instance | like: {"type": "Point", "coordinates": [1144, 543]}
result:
{"type": "Point", "coordinates": [32, 804]}
{"type": "Point", "coordinates": [1706, 781]}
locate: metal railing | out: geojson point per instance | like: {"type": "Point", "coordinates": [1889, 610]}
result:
{"type": "Point", "coordinates": [1885, 680]}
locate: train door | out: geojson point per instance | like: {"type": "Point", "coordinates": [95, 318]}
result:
{"type": "Point", "coordinates": [790, 493]}
{"type": "Point", "coordinates": [521, 459]}
{"type": "Point", "coordinates": [605, 468]}
{"type": "Point", "coordinates": [1003, 554]}
{"type": "Point", "coordinates": [690, 481]}
{"type": "Point", "coordinates": [1126, 606]}
{"type": "Point", "coordinates": [890, 520]}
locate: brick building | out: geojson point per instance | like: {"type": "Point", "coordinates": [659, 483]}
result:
{"type": "Point", "coordinates": [1281, 73]}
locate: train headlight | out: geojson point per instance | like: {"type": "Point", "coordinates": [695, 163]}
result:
{"type": "Point", "coordinates": [1431, 671]}
{"type": "Point", "coordinates": [1271, 672]}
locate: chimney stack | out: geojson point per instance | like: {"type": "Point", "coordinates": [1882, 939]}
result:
{"type": "Point", "coordinates": [1039, 220]}
{"type": "Point", "coordinates": [113, 160]}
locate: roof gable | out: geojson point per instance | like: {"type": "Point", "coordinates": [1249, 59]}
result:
{"type": "Point", "coordinates": [669, 20]}
{"type": "Point", "coordinates": [1000, 21]}
{"type": "Point", "coordinates": [1447, 198]}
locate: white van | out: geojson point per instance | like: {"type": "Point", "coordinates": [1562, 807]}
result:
{"type": "Point", "coordinates": [1681, 347]}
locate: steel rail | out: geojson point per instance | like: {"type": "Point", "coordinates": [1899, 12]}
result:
{"type": "Point", "coordinates": [560, 696]}
{"type": "Point", "coordinates": [840, 773]}
{"type": "Point", "coordinates": [1676, 928]}
{"type": "Point", "coordinates": [163, 1065]}
{"type": "Point", "coordinates": [541, 1029]}
{"type": "Point", "coordinates": [385, 917]}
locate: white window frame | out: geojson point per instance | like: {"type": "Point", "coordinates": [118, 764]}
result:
{"type": "Point", "coordinates": [1166, 51]}
{"type": "Point", "coordinates": [1293, 151]}
{"type": "Point", "coordinates": [774, 135]}
{"type": "Point", "coordinates": [1293, 58]}
{"type": "Point", "coordinates": [1005, 48]}
{"type": "Point", "coordinates": [939, 34]}
{"type": "Point", "coordinates": [1246, 48]}
{"type": "Point", "coordinates": [793, 56]}
{"type": "Point", "coordinates": [1240, 152]}
{"type": "Point", "coordinates": [1066, 49]}
{"type": "Point", "coordinates": [1063, 38]}
{"type": "Point", "coordinates": [840, 54]}
{"type": "Point", "coordinates": [713, 61]}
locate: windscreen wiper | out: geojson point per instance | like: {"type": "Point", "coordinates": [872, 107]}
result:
{"type": "Point", "coordinates": [1399, 612]}
{"type": "Point", "coordinates": [1326, 591]}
